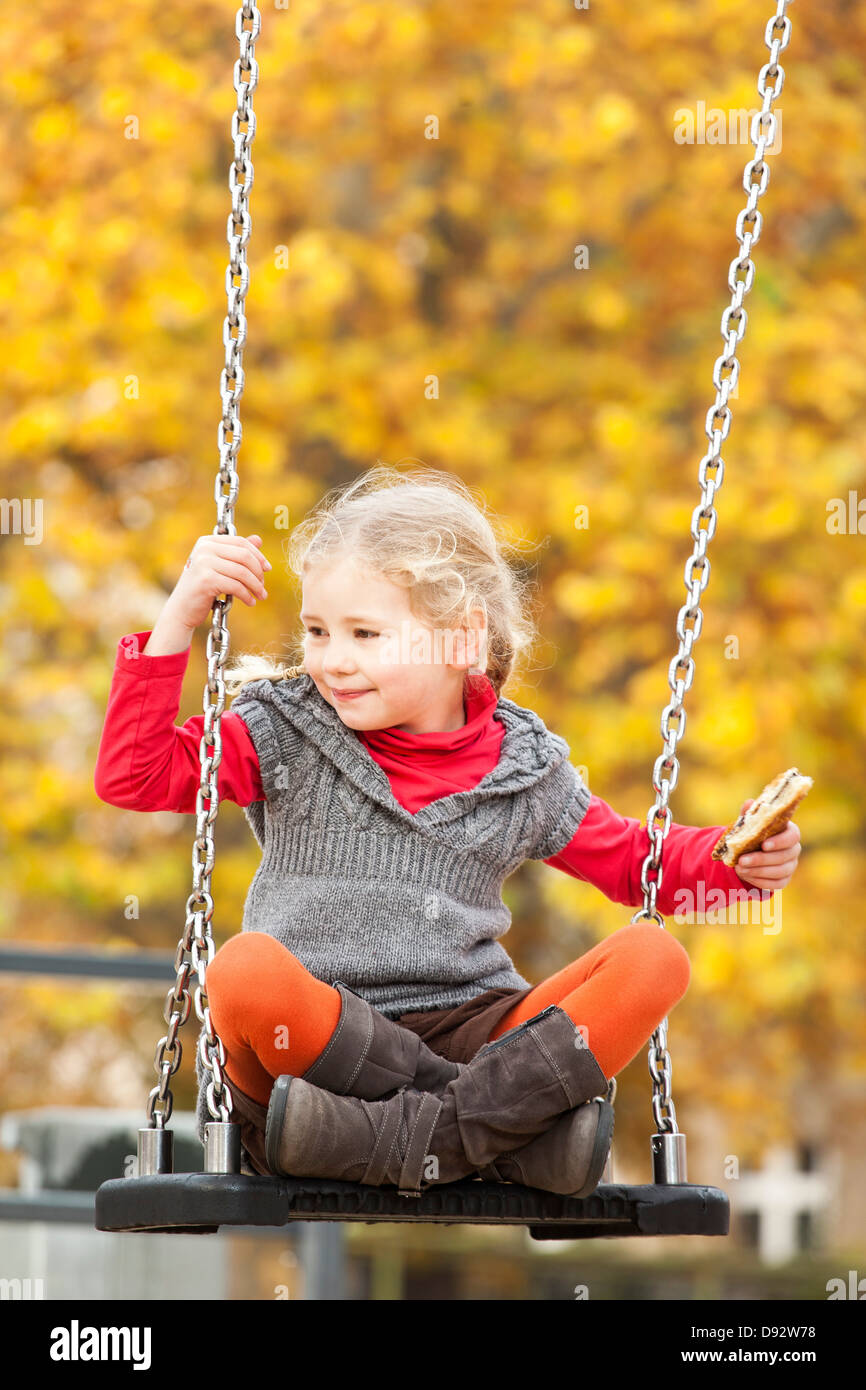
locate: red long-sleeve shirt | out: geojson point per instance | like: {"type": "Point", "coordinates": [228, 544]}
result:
{"type": "Point", "coordinates": [146, 762]}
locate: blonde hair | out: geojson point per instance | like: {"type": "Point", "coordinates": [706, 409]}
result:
{"type": "Point", "coordinates": [426, 531]}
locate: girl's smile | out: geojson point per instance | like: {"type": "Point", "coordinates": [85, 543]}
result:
{"type": "Point", "coordinates": [348, 694]}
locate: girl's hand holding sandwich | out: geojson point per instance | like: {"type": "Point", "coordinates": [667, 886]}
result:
{"type": "Point", "coordinates": [772, 865]}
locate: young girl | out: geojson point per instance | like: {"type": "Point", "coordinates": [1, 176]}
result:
{"type": "Point", "coordinates": [392, 789]}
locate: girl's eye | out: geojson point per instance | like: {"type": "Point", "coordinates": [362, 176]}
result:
{"type": "Point", "coordinates": [365, 631]}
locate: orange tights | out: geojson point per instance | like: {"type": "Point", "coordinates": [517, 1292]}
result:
{"type": "Point", "coordinates": [275, 1018]}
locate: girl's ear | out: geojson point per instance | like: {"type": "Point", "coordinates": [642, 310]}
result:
{"type": "Point", "coordinates": [477, 641]}
{"type": "Point", "coordinates": [460, 647]}
{"type": "Point", "coordinates": [469, 648]}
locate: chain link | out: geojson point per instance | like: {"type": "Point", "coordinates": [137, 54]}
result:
{"type": "Point", "coordinates": [196, 947]}
{"type": "Point", "coordinates": [697, 570]}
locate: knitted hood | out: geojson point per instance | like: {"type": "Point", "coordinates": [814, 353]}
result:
{"type": "Point", "coordinates": [529, 753]}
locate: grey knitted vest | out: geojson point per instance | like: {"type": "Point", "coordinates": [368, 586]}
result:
{"type": "Point", "coordinates": [406, 909]}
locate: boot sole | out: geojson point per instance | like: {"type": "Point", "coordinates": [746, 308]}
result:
{"type": "Point", "coordinates": [600, 1150]}
{"type": "Point", "coordinates": [274, 1123]}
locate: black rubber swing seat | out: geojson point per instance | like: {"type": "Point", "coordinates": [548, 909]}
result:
{"type": "Point", "coordinates": [202, 1203]}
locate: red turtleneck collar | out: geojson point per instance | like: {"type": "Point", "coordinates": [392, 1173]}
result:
{"type": "Point", "coordinates": [423, 767]}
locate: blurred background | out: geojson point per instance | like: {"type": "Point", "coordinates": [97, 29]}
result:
{"type": "Point", "coordinates": [425, 176]}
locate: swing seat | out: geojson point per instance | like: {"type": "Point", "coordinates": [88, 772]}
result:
{"type": "Point", "coordinates": [203, 1203]}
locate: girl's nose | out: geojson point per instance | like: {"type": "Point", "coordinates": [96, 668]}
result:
{"type": "Point", "coordinates": [337, 661]}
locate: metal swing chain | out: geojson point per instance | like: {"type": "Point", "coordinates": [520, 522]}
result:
{"type": "Point", "coordinates": [697, 570]}
{"type": "Point", "coordinates": [195, 949]}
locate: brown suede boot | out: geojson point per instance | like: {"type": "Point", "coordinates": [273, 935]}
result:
{"type": "Point", "coordinates": [376, 1054]}
{"type": "Point", "coordinates": [511, 1092]}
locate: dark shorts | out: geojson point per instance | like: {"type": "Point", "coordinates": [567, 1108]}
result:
{"type": "Point", "coordinates": [457, 1034]}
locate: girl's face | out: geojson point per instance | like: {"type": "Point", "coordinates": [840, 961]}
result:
{"type": "Point", "coordinates": [362, 636]}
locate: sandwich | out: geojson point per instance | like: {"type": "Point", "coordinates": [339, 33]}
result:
{"type": "Point", "coordinates": [769, 813]}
